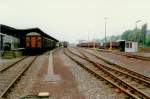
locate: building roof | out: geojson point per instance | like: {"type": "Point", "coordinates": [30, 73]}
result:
{"type": "Point", "coordinates": [22, 32]}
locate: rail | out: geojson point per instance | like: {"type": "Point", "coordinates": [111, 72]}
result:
{"type": "Point", "coordinates": [4, 94]}
{"type": "Point", "coordinates": [133, 90]}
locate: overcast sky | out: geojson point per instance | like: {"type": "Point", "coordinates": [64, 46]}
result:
{"type": "Point", "coordinates": [72, 20]}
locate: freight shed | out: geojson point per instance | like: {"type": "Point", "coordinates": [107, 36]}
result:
{"type": "Point", "coordinates": [15, 39]}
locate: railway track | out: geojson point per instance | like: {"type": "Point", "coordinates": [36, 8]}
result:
{"type": "Point", "coordinates": [12, 74]}
{"type": "Point", "coordinates": [116, 78]}
{"type": "Point", "coordinates": [3, 68]}
{"type": "Point", "coordinates": [136, 80]}
{"type": "Point", "coordinates": [120, 67]}
{"type": "Point", "coordinates": [132, 56]}
{"type": "Point", "coordinates": [128, 55]}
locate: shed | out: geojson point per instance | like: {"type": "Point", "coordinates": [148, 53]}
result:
{"type": "Point", "coordinates": [131, 46]}
{"type": "Point", "coordinates": [128, 46]}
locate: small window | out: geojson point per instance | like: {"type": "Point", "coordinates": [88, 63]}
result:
{"type": "Point", "coordinates": [127, 45]}
{"type": "Point", "coordinates": [131, 45]}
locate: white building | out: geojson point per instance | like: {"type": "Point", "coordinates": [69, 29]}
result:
{"type": "Point", "coordinates": [128, 46]}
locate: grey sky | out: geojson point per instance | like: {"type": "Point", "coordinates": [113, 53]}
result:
{"type": "Point", "coordinates": [72, 19]}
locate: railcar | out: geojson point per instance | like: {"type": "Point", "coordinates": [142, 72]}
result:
{"type": "Point", "coordinates": [36, 43]}
{"type": "Point", "coordinates": [89, 45]}
{"type": "Point", "coordinates": [65, 44]}
{"type": "Point", "coordinates": [114, 45]}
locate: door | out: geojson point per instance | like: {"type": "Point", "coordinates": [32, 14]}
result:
{"type": "Point", "coordinates": [33, 42]}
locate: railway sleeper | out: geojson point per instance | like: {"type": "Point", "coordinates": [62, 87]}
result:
{"type": "Point", "coordinates": [139, 93]}
{"type": "Point", "coordinates": [133, 96]}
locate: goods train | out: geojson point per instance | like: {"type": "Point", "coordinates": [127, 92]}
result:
{"type": "Point", "coordinates": [63, 44]}
{"type": "Point", "coordinates": [115, 45]}
{"type": "Point", "coordinates": [89, 44]}
{"type": "Point", "coordinates": [37, 43]}
{"type": "Point", "coordinates": [122, 45]}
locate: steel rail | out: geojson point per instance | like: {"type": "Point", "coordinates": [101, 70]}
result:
{"type": "Point", "coordinates": [122, 68]}
{"type": "Point", "coordinates": [122, 72]}
{"type": "Point", "coordinates": [128, 55]}
{"type": "Point", "coordinates": [138, 92]}
{"type": "Point", "coordinates": [7, 67]}
{"type": "Point", "coordinates": [26, 67]}
{"type": "Point", "coordinates": [102, 77]}
{"type": "Point", "coordinates": [118, 72]}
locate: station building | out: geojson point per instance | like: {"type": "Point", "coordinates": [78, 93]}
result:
{"type": "Point", "coordinates": [1, 41]}
{"type": "Point", "coordinates": [14, 40]}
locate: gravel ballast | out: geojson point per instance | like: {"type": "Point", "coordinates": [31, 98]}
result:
{"type": "Point", "coordinates": [88, 85]}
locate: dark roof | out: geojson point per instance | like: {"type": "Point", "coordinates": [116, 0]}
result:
{"type": "Point", "coordinates": [22, 32]}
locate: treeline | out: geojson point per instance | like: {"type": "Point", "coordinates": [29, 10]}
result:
{"type": "Point", "coordinates": [142, 36]}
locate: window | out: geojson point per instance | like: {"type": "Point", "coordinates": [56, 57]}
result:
{"type": "Point", "coordinates": [131, 45]}
{"type": "Point", "coordinates": [127, 45]}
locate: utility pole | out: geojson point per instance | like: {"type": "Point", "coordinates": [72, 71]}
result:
{"type": "Point", "coordinates": [88, 39]}
{"type": "Point", "coordinates": [110, 48]}
{"type": "Point", "coordinates": [94, 41]}
{"type": "Point", "coordinates": [136, 22]}
{"type": "Point", "coordinates": [105, 18]}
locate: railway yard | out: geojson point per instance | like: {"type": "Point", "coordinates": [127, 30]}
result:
{"type": "Point", "coordinates": [76, 73]}
{"type": "Point", "coordinates": [78, 49]}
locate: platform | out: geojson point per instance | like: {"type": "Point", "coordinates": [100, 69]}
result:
{"type": "Point", "coordinates": [51, 76]}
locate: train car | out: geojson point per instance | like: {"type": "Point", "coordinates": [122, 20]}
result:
{"type": "Point", "coordinates": [89, 45]}
{"type": "Point", "coordinates": [37, 43]}
{"type": "Point", "coordinates": [65, 44]}
{"type": "Point", "coordinates": [114, 45]}
{"type": "Point", "coordinates": [34, 43]}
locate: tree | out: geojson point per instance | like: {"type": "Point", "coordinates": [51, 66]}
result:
{"type": "Point", "coordinates": [143, 34]}
{"type": "Point", "coordinates": [125, 35]}
{"type": "Point", "coordinates": [148, 40]}
{"type": "Point", "coordinates": [135, 35]}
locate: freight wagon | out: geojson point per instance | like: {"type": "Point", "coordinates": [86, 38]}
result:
{"type": "Point", "coordinates": [89, 45]}
{"type": "Point", "coordinates": [36, 43]}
